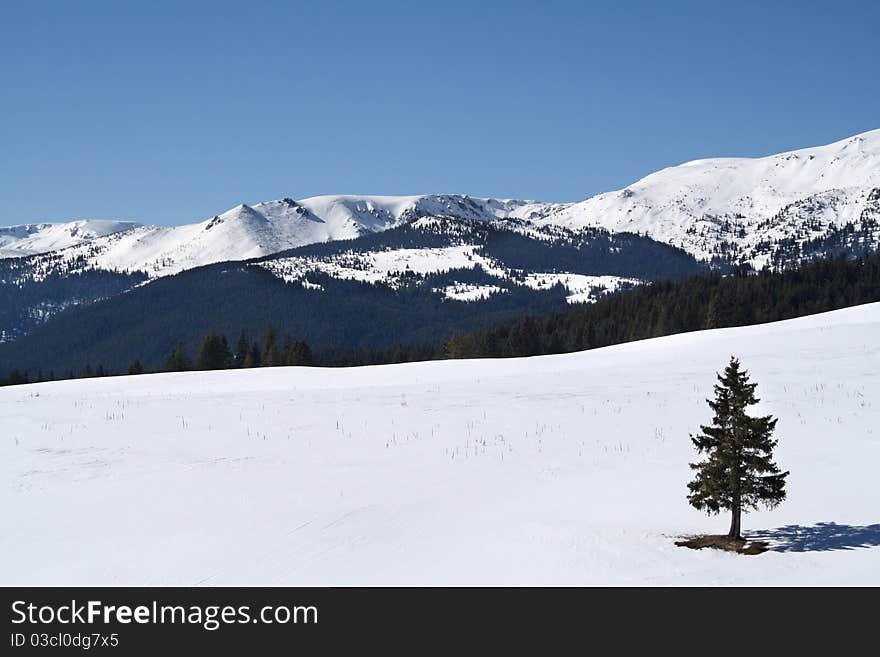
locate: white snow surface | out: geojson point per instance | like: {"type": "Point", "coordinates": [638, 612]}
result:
{"type": "Point", "coordinates": [377, 266]}
{"type": "Point", "coordinates": [565, 469]}
{"type": "Point", "coordinates": [470, 292]}
{"type": "Point", "coordinates": [581, 288]}
{"type": "Point", "coordinates": [30, 239]}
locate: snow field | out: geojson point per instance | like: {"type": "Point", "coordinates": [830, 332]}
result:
{"type": "Point", "coordinates": [565, 469]}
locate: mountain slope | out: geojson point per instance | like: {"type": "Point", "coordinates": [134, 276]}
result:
{"type": "Point", "coordinates": [240, 233]}
{"type": "Point", "coordinates": [769, 210]}
{"type": "Point", "coordinates": [706, 205]}
{"type": "Point", "coordinates": [30, 239]}
{"type": "Point", "coordinates": [247, 232]}
{"type": "Point", "coordinates": [414, 284]}
{"type": "Point", "coordinates": [552, 470]}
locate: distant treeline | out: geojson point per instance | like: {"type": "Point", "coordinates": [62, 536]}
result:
{"type": "Point", "coordinates": [215, 354]}
{"type": "Point", "coordinates": [665, 308]}
{"type": "Point", "coordinates": [662, 308]}
{"type": "Point", "coordinates": [148, 321]}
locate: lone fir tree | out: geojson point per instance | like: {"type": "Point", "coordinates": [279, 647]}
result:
{"type": "Point", "coordinates": [739, 472]}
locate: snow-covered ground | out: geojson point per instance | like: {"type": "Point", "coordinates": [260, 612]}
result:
{"type": "Point", "coordinates": [564, 469]}
{"type": "Point", "coordinates": [377, 266]}
{"type": "Point", "coordinates": [391, 266]}
{"type": "Point", "coordinates": [582, 288]}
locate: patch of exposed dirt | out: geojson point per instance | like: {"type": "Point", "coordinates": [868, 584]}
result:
{"type": "Point", "coordinates": [722, 542]}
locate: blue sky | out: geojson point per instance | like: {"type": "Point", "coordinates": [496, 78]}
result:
{"type": "Point", "coordinates": [168, 112]}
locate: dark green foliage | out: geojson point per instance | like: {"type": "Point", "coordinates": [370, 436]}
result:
{"type": "Point", "coordinates": [178, 360]}
{"type": "Point", "coordinates": [135, 367]}
{"type": "Point", "coordinates": [242, 350]}
{"type": "Point", "coordinates": [665, 307]}
{"type": "Point", "coordinates": [591, 251]}
{"type": "Point", "coordinates": [253, 356]}
{"type": "Point", "coordinates": [25, 302]}
{"type": "Point", "coordinates": [15, 378]}
{"type": "Point", "coordinates": [214, 354]}
{"type": "Point", "coordinates": [738, 472]}
{"type": "Point", "coordinates": [297, 352]}
{"type": "Point", "coordinates": [269, 356]}
{"type": "Point", "coordinates": [345, 315]}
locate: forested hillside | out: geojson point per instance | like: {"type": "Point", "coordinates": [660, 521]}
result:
{"type": "Point", "coordinates": [330, 336]}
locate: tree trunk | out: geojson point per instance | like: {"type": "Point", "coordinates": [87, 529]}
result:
{"type": "Point", "coordinates": [736, 508]}
{"type": "Point", "coordinates": [735, 516]}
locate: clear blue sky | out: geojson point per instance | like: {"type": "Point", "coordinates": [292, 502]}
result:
{"type": "Point", "coordinates": [168, 112]}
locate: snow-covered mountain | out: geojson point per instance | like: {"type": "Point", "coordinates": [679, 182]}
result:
{"type": "Point", "coordinates": [742, 206]}
{"type": "Point", "coordinates": [568, 469]}
{"type": "Point", "coordinates": [380, 212]}
{"type": "Point", "coordinates": [799, 204]}
{"type": "Point", "coordinates": [252, 231]}
{"type": "Point", "coordinates": [29, 239]}
{"type": "Point", "coordinates": [778, 210]}
{"type": "Point", "coordinates": [492, 253]}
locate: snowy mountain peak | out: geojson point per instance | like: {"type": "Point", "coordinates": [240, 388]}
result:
{"type": "Point", "coordinates": [286, 209]}
{"type": "Point", "coordinates": [716, 205]}
{"type": "Point", "coordinates": [374, 213]}
{"type": "Point", "coordinates": [28, 239]}
{"type": "Point", "coordinates": [739, 209]}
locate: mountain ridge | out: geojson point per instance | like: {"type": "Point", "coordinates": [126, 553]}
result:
{"type": "Point", "coordinates": [688, 205]}
{"type": "Point", "coordinates": [778, 211]}
{"type": "Point", "coordinates": [710, 207]}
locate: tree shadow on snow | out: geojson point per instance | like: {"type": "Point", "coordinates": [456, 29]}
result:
{"type": "Point", "coordinates": [821, 537]}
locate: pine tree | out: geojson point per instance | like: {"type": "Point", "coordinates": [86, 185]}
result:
{"type": "Point", "coordinates": [253, 357]}
{"type": "Point", "coordinates": [286, 355]}
{"type": "Point", "coordinates": [178, 360]}
{"type": "Point", "coordinates": [299, 353]}
{"type": "Point", "coordinates": [214, 354]}
{"type": "Point", "coordinates": [242, 349]}
{"type": "Point", "coordinates": [16, 378]}
{"type": "Point", "coordinates": [135, 367]}
{"type": "Point", "coordinates": [269, 357]}
{"type": "Point", "coordinates": [524, 338]}
{"type": "Point", "coordinates": [458, 346]}
{"type": "Point", "coordinates": [738, 472]}
{"type": "Point", "coordinates": [589, 336]}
